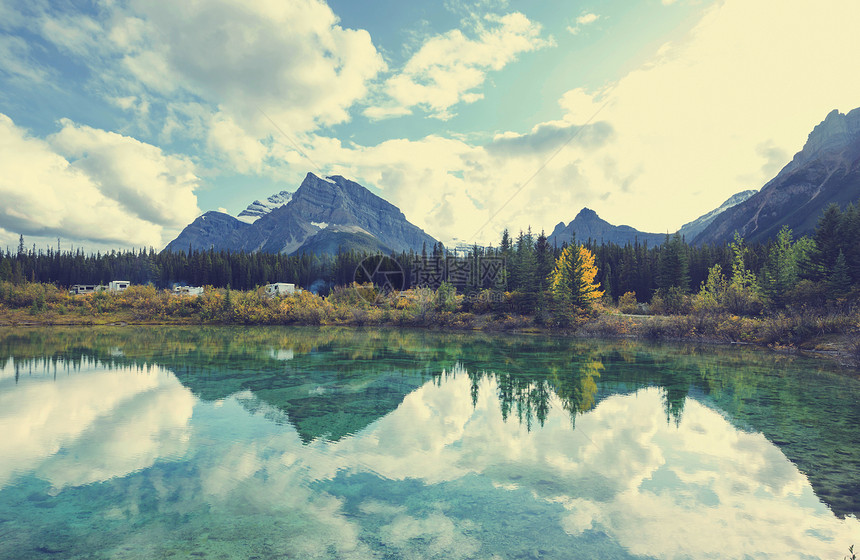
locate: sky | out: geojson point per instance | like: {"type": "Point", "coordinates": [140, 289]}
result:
{"type": "Point", "coordinates": [122, 121]}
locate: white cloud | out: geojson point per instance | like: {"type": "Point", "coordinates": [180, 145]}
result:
{"type": "Point", "coordinates": [452, 189]}
{"type": "Point", "coordinates": [88, 184]}
{"type": "Point", "coordinates": [216, 73]}
{"type": "Point", "coordinates": [722, 110]}
{"type": "Point", "coordinates": [579, 106]}
{"type": "Point", "coordinates": [448, 68]}
{"type": "Point", "coordinates": [546, 137]}
{"type": "Point", "coordinates": [712, 114]}
{"type": "Point", "coordinates": [147, 183]}
{"type": "Point", "coordinates": [17, 63]}
{"type": "Point", "coordinates": [586, 18]}
{"type": "Point", "coordinates": [387, 112]}
{"type": "Point", "coordinates": [77, 34]}
{"type": "Point", "coordinates": [290, 59]}
{"type": "Point", "coordinates": [243, 151]}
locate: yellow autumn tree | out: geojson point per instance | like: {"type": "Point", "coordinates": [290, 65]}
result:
{"type": "Point", "coordinates": [572, 280]}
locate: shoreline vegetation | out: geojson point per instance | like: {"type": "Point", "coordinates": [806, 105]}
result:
{"type": "Point", "coordinates": [833, 333]}
{"type": "Point", "coordinates": [788, 295]}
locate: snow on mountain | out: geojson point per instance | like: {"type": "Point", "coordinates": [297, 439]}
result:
{"type": "Point", "coordinates": [323, 215]}
{"type": "Point", "coordinates": [258, 209]}
{"type": "Point", "coordinates": [690, 230]}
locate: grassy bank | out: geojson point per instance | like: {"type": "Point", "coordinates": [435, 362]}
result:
{"type": "Point", "coordinates": [830, 333]}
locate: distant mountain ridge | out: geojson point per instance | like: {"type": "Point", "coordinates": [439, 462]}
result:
{"type": "Point", "coordinates": [350, 215]}
{"type": "Point", "coordinates": [825, 171]}
{"type": "Point", "coordinates": [690, 230]}
{"type": "Point", "coordinates": [588, 225]}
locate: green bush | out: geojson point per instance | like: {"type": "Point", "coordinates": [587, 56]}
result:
{"type": "Point", "coordinates": [628, 303]}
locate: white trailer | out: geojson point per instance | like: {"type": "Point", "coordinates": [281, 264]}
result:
{"type": "Point", "coordinates": [280, 289]}
{"type": "Point", "coordinates": [188, 290]}
{"type": "Point", "coordinates": [116, 286]}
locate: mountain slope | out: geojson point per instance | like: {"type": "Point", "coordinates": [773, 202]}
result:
{"type": "Point", "coordinates": [363, 220]}
{"type": "Point", "coordinates": [690, 230]}
{"type": "Point", "coordinates": [588, 225]}
{"type": "Point", "coordinates": [215, 230]}
{"type": "Point", "coordinates": [258, 208]}
{"type": "Point", "coordinates": [339, 201]}
{"type": "Point", "coordinates": [336, 239]}
{"type": "Point", "coordinates": [825, 171]}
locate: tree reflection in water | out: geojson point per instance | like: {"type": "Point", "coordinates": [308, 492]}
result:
{"type": "Point", "coordinates": [333, 382]}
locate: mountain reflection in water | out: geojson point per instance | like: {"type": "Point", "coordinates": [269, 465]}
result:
{"type": "Point", "coordinates": [328, 442]}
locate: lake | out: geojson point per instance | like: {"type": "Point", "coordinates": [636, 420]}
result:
{"type": "Point", "coordinates": [167, 442]}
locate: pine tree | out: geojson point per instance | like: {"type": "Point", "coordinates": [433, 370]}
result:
{"type": "Point", "coordinates": [572, 280]}
{"type": "Point", "coordinates": [544, 261]}
{"type": "Point", "coordinates": [5, 270]}
{"type": "Point", "coordinates": [839, 280]}
{"type": "Point", "coordinates": [674, 265]}
{"type": "Point", "coordinates": [607, 281]}
{"type": "Point", "coordinates": [524, 264]}
{"type": "Point", "coordinates": [506, 251]}
{"type": "Point", "coordinates": [827, 244]}
{"type": "Point", "coordinates": [849, 235]}
{"type": "Point", "coordinates": [780, 270]}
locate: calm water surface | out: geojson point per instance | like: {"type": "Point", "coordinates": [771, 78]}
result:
{"type": "Point", "coordinates": [334, 443]}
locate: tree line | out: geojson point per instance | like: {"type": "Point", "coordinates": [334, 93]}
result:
{"type": "Point", "coordinates": [818, 270]}
{"type": "Point", "coordinates": [822, 269]}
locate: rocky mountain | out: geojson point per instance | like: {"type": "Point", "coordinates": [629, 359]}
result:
{"type": "Point", "coordinates": [825, 171]}
{"type": "Point", "coordinates": [588, 225]}
{"type": "Point", "coordinates": [690, 230]}
{"type": "Point", "coordinates": [343, 213]}
{"type": "Point", "coordinates": [212, 230]}
{"type": "Point", "coordinates": [258, 209]}
{"type": "Point", "coordinates": [333, 239]}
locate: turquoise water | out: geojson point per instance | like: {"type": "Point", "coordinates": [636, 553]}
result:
{"type": "Point", "coordinates": [339, 443]}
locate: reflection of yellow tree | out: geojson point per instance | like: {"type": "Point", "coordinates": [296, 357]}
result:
{"type": "Point", "coordinates": [530, 395]}
{"type": "Point", "coordinates": [519, 365]}
{"type": "Point", "coordinates": [577, 388]}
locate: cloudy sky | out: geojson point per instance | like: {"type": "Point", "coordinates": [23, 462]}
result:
{"type": "Point", "coordinates": [122, 121]}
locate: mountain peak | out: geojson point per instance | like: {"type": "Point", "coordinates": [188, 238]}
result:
{"type": "Point", "coordinates": [588, 225]}
{"type": "Point", "coordinates": [587, 214]}
{"type": "Point", "coordinates": [350, 215]}
{"type": "Point", "coordinates": [259, 208]}
{"type": "Point", "coordinates": [825, 171]}
{"type": "Point", "coordinates": [834, 133]}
